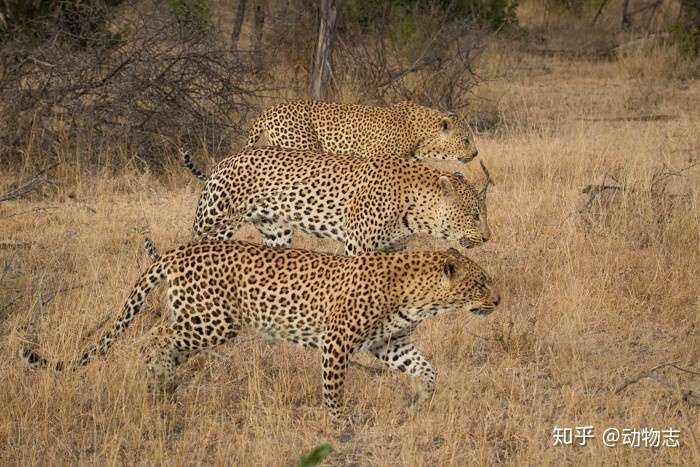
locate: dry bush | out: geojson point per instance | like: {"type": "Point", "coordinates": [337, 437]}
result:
{"type": "Point", "coordinates": [430, 61]}
{"type": "Point", "coordinates": [554, 29]}
{"type": "Point", "coordinates": [654, 59]}
{"type": "Point", "coordinates": [652, 64]}
{"type": "Point", "coordinates": [579, 28]}
{"type": "Point", "coordinates": [142, 82]}
{"type": "Point", "coordinates": [392, 55]}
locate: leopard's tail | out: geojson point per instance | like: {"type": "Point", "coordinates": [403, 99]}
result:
{"type": "Point", "coordinates": [187, 160]}
{"type": "Point", "coordinates": [148, 281]}
{"type": "Point", "coordinates": [151, 249]}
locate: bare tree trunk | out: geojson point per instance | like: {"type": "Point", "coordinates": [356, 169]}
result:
{"type": "Point", "coordinates": [600, 11]}
{"type": "Point", "coordinates": [238, 23]}
{"type": "Point", "coordinates": [258, 33]}
{"type": "Point", "coordinates": [259, 23]}
{"type": "Point", "coordinates": [625, 17]}
{"type": "Point", "coordinates": [323, 67]}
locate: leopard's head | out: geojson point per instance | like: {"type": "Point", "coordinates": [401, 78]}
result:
{"type": "Point", "coordinates": [436, 283]}
{"type": "Point", "coordinates": [440, 135]}
{"type": "Point", "coordinates": [452, 210]}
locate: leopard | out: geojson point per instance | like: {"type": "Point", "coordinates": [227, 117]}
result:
{"type": "Point", "coordinates": [340, 305]}
{"type": "Point", "coordinates": [405, 130]}
{"type": "Point", "coordinates": [365, 203]}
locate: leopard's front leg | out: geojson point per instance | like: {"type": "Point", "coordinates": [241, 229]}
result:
{"type": "Point", "coordinates": [336, 354]}
{"type": "Point", "coordinates": [400, 354]}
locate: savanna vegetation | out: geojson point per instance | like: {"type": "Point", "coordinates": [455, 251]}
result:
{"type": "Point", "coordinates": [587, 113]}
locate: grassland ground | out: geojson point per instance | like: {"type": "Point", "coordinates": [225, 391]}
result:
{"type": "Point", "coordinates": [594, 293]}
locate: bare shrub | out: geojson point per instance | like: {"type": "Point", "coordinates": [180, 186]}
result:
{"type": "Point", "coordinates": [142, 82]}
{"type": "Point", "coordinates": [430, 60]}
{"type": "Point", "coordinates": [294, 26]}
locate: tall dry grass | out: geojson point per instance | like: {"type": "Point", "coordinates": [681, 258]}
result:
{"type": "Point", "coordinates": [589, 300]}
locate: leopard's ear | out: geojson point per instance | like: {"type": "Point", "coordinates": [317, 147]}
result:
{"type": "Point", "coordinates": [446, 185]}
{"type": "Point", "coordinates": [449, 268]}
{"type": "Point", "coordinates": [446, 123]}
{"type": "Point", "coordinates": [453, 252]}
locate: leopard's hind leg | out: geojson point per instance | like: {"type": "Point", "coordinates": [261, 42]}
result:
{"type": "Point", "coordinates": [193, 327]}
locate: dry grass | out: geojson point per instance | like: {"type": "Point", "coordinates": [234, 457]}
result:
{"type": "Point", "coordinates": [589, 302]}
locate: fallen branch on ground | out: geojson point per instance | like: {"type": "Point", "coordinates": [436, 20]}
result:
{"type": "Point", "coordinates": [29, 186]}
{"type": "Point", "coordinates": [656, 188]}
{"type": "Point", "coordinates": [47, 208]}
{"type": "Point", "coordinates": [690, 396]}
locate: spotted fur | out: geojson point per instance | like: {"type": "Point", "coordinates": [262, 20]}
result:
{"type": "Point", "coordinates": [342, 305]}
{"type": "Point", "coordinates": [368, 204]}
{"type": "Point", "coordinates": [151, 249]}
{"type": "Point", "coordinates": [187, 160]}
{"type": "Point", "coordinates": [404, 130]}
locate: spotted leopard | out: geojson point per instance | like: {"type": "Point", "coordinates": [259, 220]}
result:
{"type": "Point", "coordinates": [371, 302]}
{"type": "Point", "coordinates": [404, 130]}
{"type": "Point", "coordinates": [368, 204]}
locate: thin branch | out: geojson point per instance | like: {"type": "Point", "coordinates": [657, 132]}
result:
{"type": "Point", "coordinates": [642, 375]}
{"type": "Point", "coordinates": [690, 396]}
{"type": "Point", "coordinates": [600, 10]}
{"type": "Point", "coordinates": [685, 370]}
{"type": "Point", "coordinates": [28, 186]}
{"type": "Point", "coordinates": [40, 209]}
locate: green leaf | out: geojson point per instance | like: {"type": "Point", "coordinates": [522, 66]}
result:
{"type": "Point", "coordinates": [316, 455]}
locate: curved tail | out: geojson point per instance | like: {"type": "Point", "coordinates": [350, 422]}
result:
{"type": "Point", "coordinates": [148, 281]}
{"type": "Point", "coordinates": [151, 249]}
{"type": "Point", "coordinates": [187, 160]}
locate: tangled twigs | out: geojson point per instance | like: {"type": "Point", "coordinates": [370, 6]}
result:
{"type": "Point", "coordinates": [29, 186]}
{"type": "Point", "coordinates": [665, 172]}
{"type": "Point", "coordinates": [691, 396]}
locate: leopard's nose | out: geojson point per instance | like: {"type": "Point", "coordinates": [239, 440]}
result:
{"type": "Point", "coordinates": [495, 295]}
{"type": "Point", "coordinates": [466, 159]}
